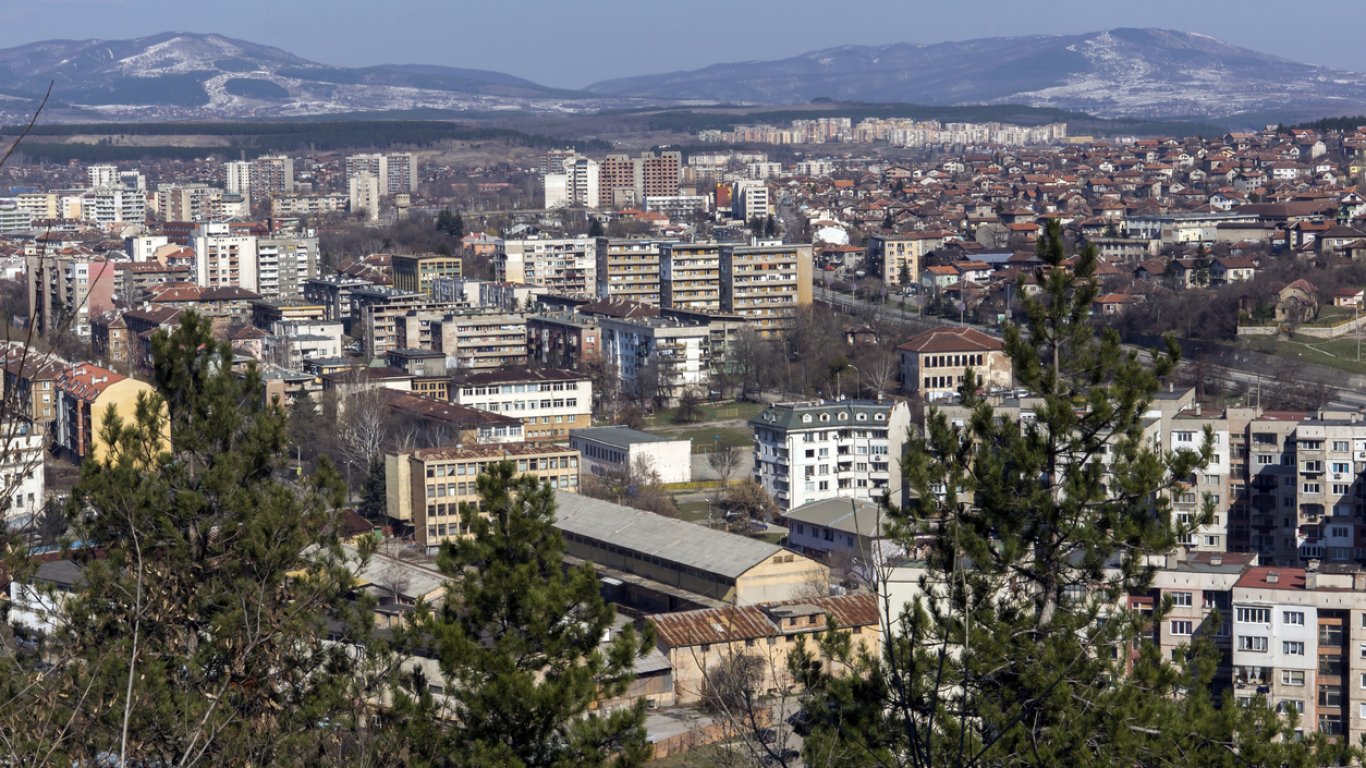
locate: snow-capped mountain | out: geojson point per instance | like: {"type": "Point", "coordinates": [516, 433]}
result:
{"type": "Point", "coordinates": [182, 75]}
{"type": "Point", "coordinates": [1117, 73]}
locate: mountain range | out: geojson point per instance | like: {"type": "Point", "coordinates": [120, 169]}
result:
{"type": "Point", "coordinates": [1131, 73]}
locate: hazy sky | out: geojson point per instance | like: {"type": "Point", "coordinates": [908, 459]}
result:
{"type": "Point", "coordinates": [570, 44]}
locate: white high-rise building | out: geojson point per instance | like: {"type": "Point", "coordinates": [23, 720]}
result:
{"type": "Point", "coordinates": [364, 192]}
{"type": "Point", "coordinates": [575, 183]}
{"type": "Point", "coordinates": [102, 176]}
{"type": "Point", "coordinates": [806, 452]}
{"type": "Point", "coordinates": [396, 173]}
{"type": "Point", "coordinates": [237, 178]}
{"type": "Point", "coordinates": [224, 258]}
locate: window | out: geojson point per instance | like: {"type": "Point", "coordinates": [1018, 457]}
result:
{"type": "Point", "coordinates": [1181, 599]}
{"type": "Point", "coordinates": [1254, 643]}
{"type": "Point", "coordinates": [1293, 617]}
{"type": "Point", "coordinates": [1292, 648]}
{"type": "Point", "coordinates": [1309, 488]}
{"type": "Point", "coordinates": [1330, 696]}
{"type": "Point", "coordinates": [1180, 627]}
{"type": "Point", "coordinates": [1292, 677]}
{"type": "Point", "coordinates": [1330, 635]}
{"type": "Point", "coordinates": [1253, 615]}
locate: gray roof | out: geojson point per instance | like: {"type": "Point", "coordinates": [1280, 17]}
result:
{"type": "Point", "coordinates": [789, 415]}
{"type": "Point", "coordinates": [62, 573]}
{"type": "Point", "coordinates": [853, 516]}
{"type": "Point", "coordinates": [675, 541]}
{"type": "Point", "coordinates": [619, 437]}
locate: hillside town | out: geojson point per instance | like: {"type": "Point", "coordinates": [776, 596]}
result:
{"type": "Point", "coordinates": [721, 361]}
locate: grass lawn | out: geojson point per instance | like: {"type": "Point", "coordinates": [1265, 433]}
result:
{"type": "Point", "coordinates": [1334, 353]}
{"type": "Point", "coordinates": [704, 438]}
{"type": "Point", "coordinates": [710, 412]}
{"type": "Point", "coordinates": [693, 511]}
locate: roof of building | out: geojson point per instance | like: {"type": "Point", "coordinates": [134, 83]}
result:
{"type": "Point", "coordinates": [621, 437]}
{"type": "Point", "coordinates": [752, 622]}
{"type": "Point", "coordinates": [1272, 577]}
{"type": "Point", "coordinates": [675, 541]}
{"type": "Point", "coordinates": [853, 516]}
{"type": "Point", "coordinates": [951, 339]}
{"type": "Point", "coordinates": [87, 381]}
{"type": "Point", "coordinates": [489, 451]}
{"type": "Point", "coordinates": [791, 415]}
{"type": "Point", "coordinates": [517, 374]}
{"type": "Point", "coordinates": [455, 415]}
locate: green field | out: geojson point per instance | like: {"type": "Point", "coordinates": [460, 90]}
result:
{"type": "Point", "coordinates": [710, 412]}
{"type": "Point", "coordinates": [1346, 353]}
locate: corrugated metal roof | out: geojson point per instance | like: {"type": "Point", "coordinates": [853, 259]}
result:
{"type": "Point", "coordinates": [752, 622]}
{"type": "Point", "coordinates": [853, 516]}
{"type": "Point", "coordinates": [620, 437]}
{"type": "Point", "coordinates": [675, 541]}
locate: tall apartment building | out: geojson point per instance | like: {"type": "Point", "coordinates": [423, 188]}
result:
{"type": "Point", "coordinates": [224, 257]}
{"type": "Point", "coordinates": [186, 202]}
{"type": "Point", "coordinates": [416, 272]}
{"type": "Point", "coordinates": [690, 276]}
{"type": "Point", "coordinates": [102, 176]}
{"type": "Point", "coordinates": [66, 290]}
{"type": "Point", "coordinates": [765, 284]}
{"type": "Point", "coordinates": [897, 260]}
{"type": "Point", "coordinates": [395, 173]}
{"type": "Point", "coordinates": [625, 181]}
{"type": "Point", "coordinates": [659, 357]}
{"type": "Point", "coordinates": [806, 452]}
{"type": "Point", "coordinates": [333, 293]}
{"type": "Point", "coordinates": [111, 207]}
{"type": "Point", "coordinates": [377, 312]}
{"type": "Point", "coordinates": [428, 487]}
{"type": "Point", "coordinates": [750, 199]}
{"type": "Point", "coordinates": [562, 339]}
{"type": "Point", "coordinates": [549, 401]}
{"type": "Point", "coordinates": [575, 182]}
{"type": "Point", "coordinates": [272, 175]}
{"type": "Point", "coordinates": [284, 265]}
{"type": "Point", "coordinates": [476, 340]}
{"type": "Point", "coordinates": [564, 266]}
{"type": "Point", "coordinates": [363, 190]}
{"type": "Point", "coordinates": [628, 270]}
{"type": "Point", "coordinates": [237, 178]}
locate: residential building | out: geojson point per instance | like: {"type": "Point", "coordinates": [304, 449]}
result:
{"type": "Point", "coordinates": [363, 195]}
{"type": "Point", "coordinates": [935, 362]}
{"type": "Point", "coordinates": [284, 265]}
{"type": "Point", "coordinates": [658, 358]}
{"type": "Point", "coordinates": [549, 401]}
{"type": "Point", "coordinates": [628, 270]}
{"type": "Point", "coordinates": [618, 450]}
{"type": "Point", "coordinates": [22, 484]}
{"type": "Point", "coordinates": [224, 257]}
{"type": "Point", "coordinates": [562, 339]}
{"type": "Point", "coordinates": [851, 449]}
{"type": "Point", "coordinates": [750, 200]}
{"type": "Point", "coordinates": [478, 340]}
{"type": "Point", "coordinates": [897, 260]}
{"type": "Point", "coordinates": [850, 534]}
{"type": "Point", "coordinates": [377, 314]}
{"type": "Point", "coordinates": [428, 487]}
{"type": "Point", "coordinates": [690, 276]}
{"type": "Point", "coordinates": [565, 266]}
{"type": "Point", "coordinates": [66, 289]}
{"type": "Point", "coordinates": [85, 395]}
{"type": "Point", "coordinates": [334, 294]}
{"type": "Point", "coordinates": [766, 284]}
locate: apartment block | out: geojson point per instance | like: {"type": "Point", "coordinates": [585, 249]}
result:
{"type": "Point", "coordinates": [562, 340]}
{"type": "Point", "coordinates": [766, 284]}
{"type": "Point", "coordinates": [65, 290]}
{"type": "Point", "coordinates": [480, 340]}
{"type": "Point", "coordinates": [427, 488]}
{"type": "Point", "coordinates": [658, 357]}
{"type": "Point", "coordinates": [549, 401]}
{"type": "Point", "coordinates": [334, 294]}
{"type": "Point", "coordinates": [565, 266]}
{"type": "Point", "coordinates": [377, 314]}
{"type": "Point", "coordinates": [690, 276]}
{"type": "Point", "coordinates": [625, 181]}
{"type": "Point", "coordinates": [898, 260]}
{"type": "Point", "coordinates": [628, 270]}
{"type": "Point", "coordinates": [224, 257]}
{"type": "Point", "coordinates": [284, 265]}
{"type": "Point", "coordinates": [809, 451]}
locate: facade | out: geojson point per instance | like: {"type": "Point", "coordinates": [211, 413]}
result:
{"type": "Point", "coordinates": [22, 484]}
{"type": "Point", "coordinates": [85, 393]}
{"type": "Point", "coordinates": [565, 266]}
{"type": "Point", "coordinates": [658, 357]}
{"type": "Point", "coordinates": [224, 257]}
{"type": "Point", "coordinates": [897, 260]}
{"type": "Point", "coordinates": [851, 532]}
{"type": "Point", "coordinates": [377, 312]}
{"type": "Point", "coordinates": [766, 284]}
{"type": "Point", "coordinates": [66, 290]}
{"type": "Point", "coordinates": [562, 340]}
{"type": "Point", "coordinates": [851, 449]}
{"type": "Point", "coordinates": [616, 450]}
{"type": "Point", "coordinates": [416, 273]}
{"type": "Point", "coordinates": [363, 195]}
{"type": "Point", "coordinates": [628, 270]}
{"type": "Point", "coordinates": [549, 401]}
{"type": "Point", "coordinates": [934, 363]}
{"type": "Point", "coordinates": [703, 642]}
{"type": "Point", "coordinates": [427, 487]}
{"type": "Point", "coordinates": [480, 340]}
{"type": "Point", "coordinates": [333, 294]}
{"type": "Point", "coordinates": [690, 276]}
{"type": "Point", "coordinates": [284, 265]}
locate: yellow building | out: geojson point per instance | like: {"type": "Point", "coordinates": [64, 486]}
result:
{"type": "Point", "coordinates": [427, 487]}
{"type": "Point", "coordinates": [628, 270]}
{"type": "Point", "coordinates": [416, 273]}
{"type": "Point", "coordinates": [765, 284]}
{"type": "Point", "coordinates": [690, 276]}
{"type": "Point", "coordinates": [707, 642]}
{"type": "Point", "coordinates": [85, 394]}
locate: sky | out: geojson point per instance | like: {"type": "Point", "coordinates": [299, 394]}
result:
{"type": "Point", "coordinates": [571, 44]}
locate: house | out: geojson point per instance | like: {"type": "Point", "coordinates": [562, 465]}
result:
{"type": "Point", "coordinates": [703, 643]}
{"type": "Point", "coordinates": [1347, 297]}
{"type": "Point", "coordinates": [1224, 270]}
{"type": "Point", "coordinates": [849, 534]}
{"type": "Point", "coordinates": [1111, 304]}
{"type": "Point", "coordinates": [934, 363]}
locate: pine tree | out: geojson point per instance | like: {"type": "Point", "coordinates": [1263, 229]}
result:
{"type": "Point", "coordinates": [520, 640]}
{"type": "Point", "coordinates": [1019, 648]}
{"type": "Point", "coordinates": [198, 636]}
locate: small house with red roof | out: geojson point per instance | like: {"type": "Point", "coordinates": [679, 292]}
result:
{"type": "Point", "coordinates": [934, 363]}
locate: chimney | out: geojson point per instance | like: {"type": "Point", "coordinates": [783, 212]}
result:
{"type": "Point", "coordinates": [1272, 577]}
{"type": "Point", "coordinates": [1216, 560]}
{"type": "Point", "coordinates": [1197, 408]}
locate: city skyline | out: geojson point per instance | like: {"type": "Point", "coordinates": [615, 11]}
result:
{"type": "Point", "coordinates": [350, 33]}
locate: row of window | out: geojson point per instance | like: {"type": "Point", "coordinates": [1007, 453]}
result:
{"type": "Point", "coordinates": [473, 468]}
